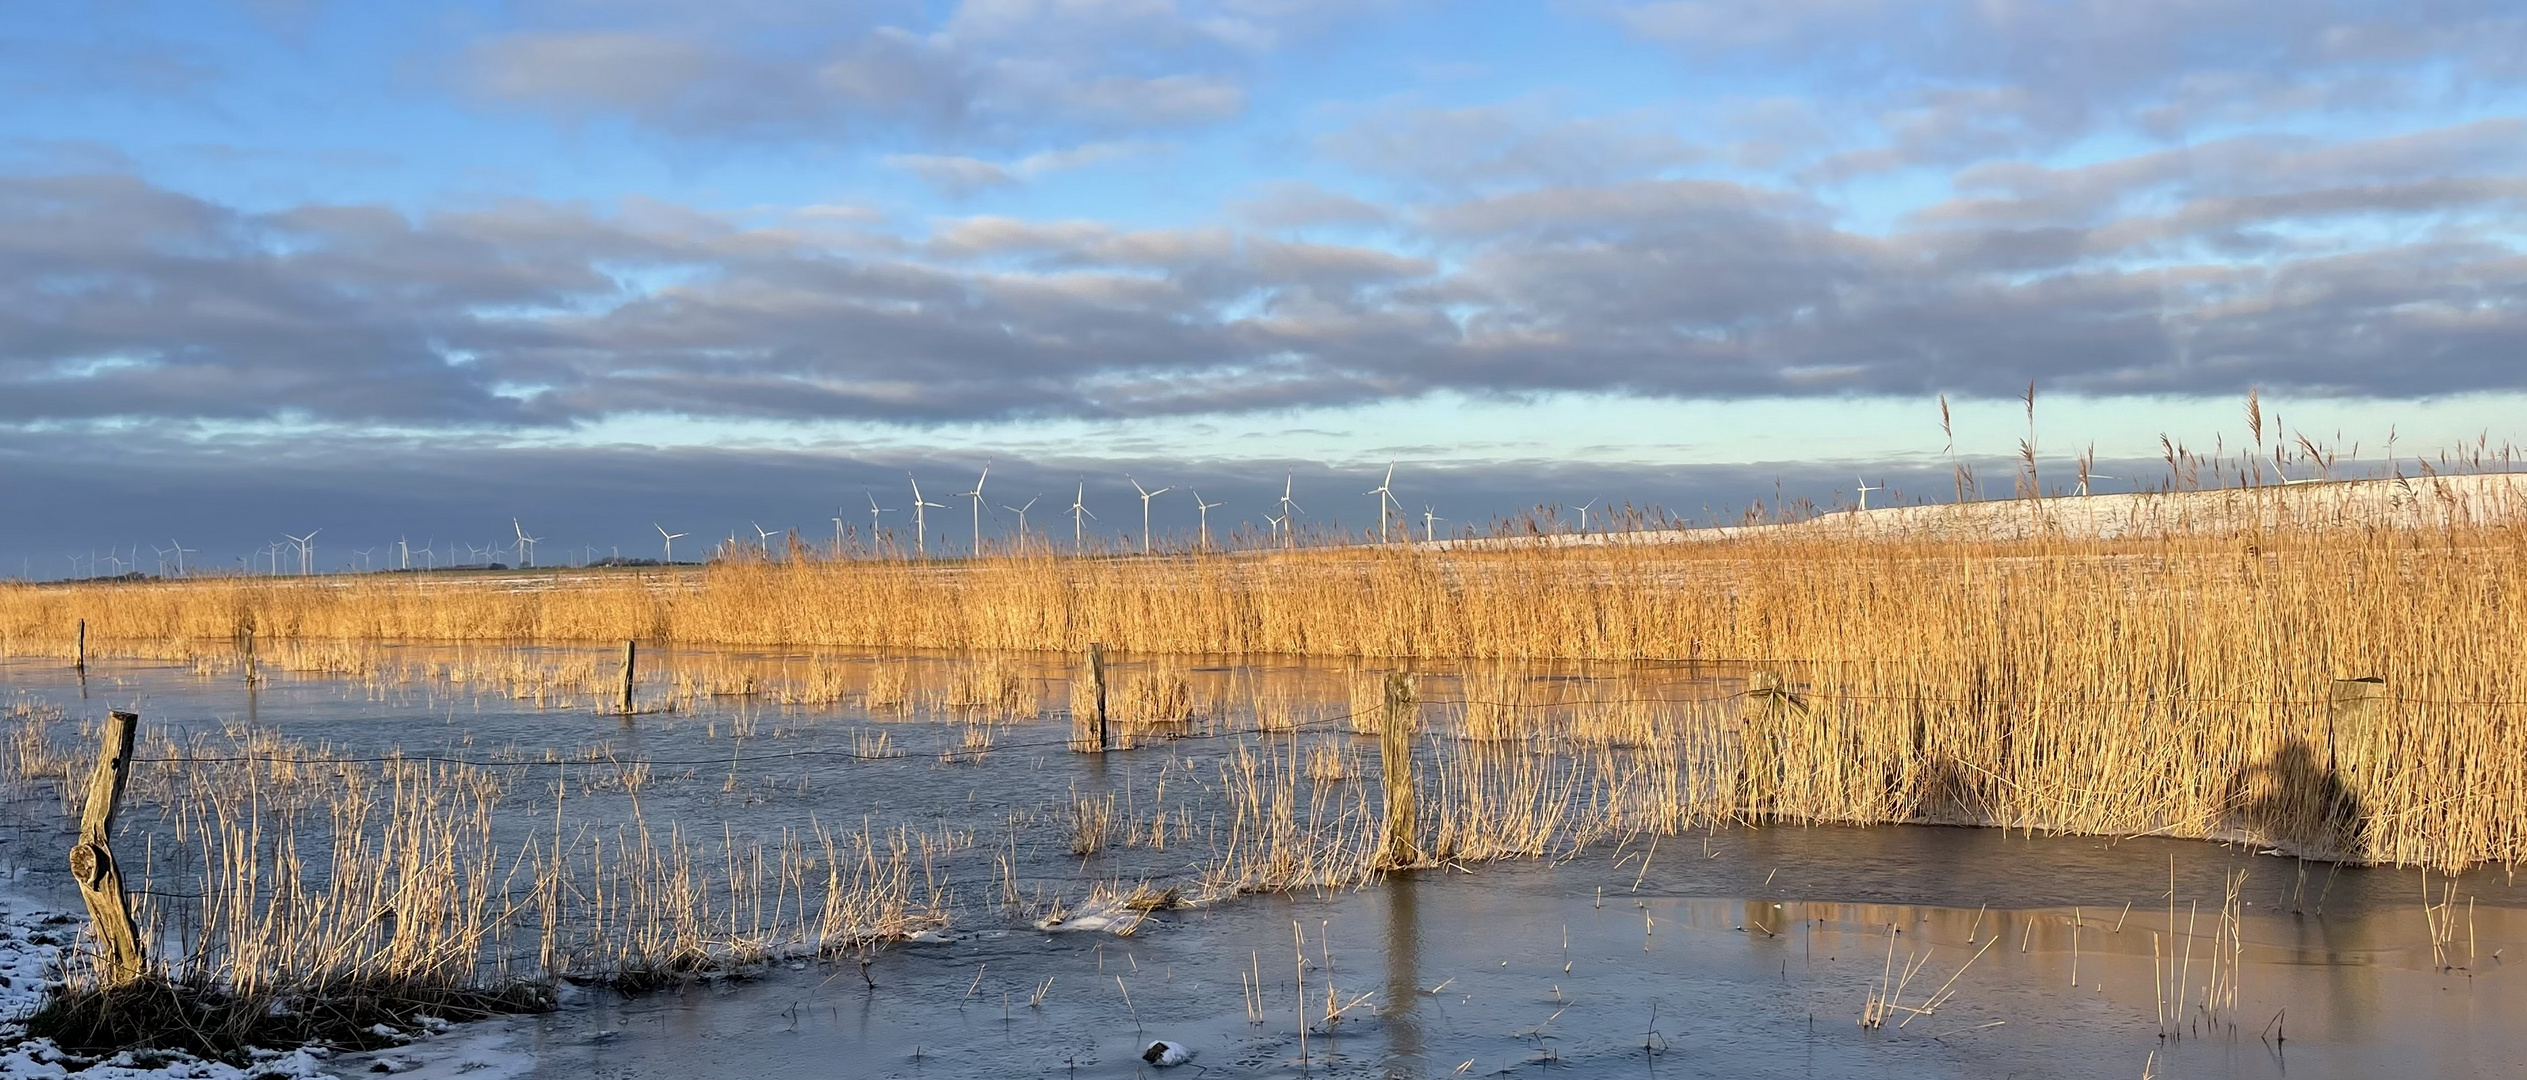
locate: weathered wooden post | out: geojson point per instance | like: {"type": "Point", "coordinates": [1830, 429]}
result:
{"type": "Point", "coordinates": [629, 652]}
{"type": "Point", "coordinates": [1395, 761]}
{"type": "Point", "coordinates": [1088, 714]}
{"type": "Point", "coordinates": [92, 860]}
{"type": "Point", "coordinates": [251, 678]}
{"type": "Point", "coordinates": [83, 646]}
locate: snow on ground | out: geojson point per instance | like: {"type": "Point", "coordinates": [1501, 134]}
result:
{"type": "Point", "coordinates": [33, 937]}
{"type": "Point", "coordinates": [39, 1059]}
{"type": "Point", "coordinates": [1109, 914]}
{"type": "Point", "coordinates": [484, 1050]}
{"type": "Point", "coordinates": [31, 941]}
{"type": "Point", "coordinates": [2424, 502]}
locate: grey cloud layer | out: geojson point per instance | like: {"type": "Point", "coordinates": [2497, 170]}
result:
{"type": "Point", "coordinates": [1952, 81]}
{"type": "Point", "coordinates": [989, 71]}
{"type": "Point", "coordinates": [2388, 266]}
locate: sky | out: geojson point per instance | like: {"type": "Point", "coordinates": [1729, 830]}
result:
{"type": "Point", "coordinates": [421, 271]}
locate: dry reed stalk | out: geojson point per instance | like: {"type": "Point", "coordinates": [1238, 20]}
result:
{"type": "Point", "coordinates": [329, 889]}
{"type": "Point", "coordinates": [1154, 701]}
{"type": "Point", "coordinates": [1328, 761]}
{"type": "Point", "coordinates": [2137, 685]}
{"type": "Point", "coordinates": [994, 687]}
{"type": "Point", "coordinates": [1277, 714]}
{"type": "Point", "coordinates": [1496, 706]}
{"type": "Point", "coordinates": [1366, 707]}
{"type": "Point", "coordinates": [890, 690]}
{"type": "Point", "coordinates": [1092, 820]}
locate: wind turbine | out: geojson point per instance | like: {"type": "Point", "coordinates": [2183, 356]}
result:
{"type": "Point", "coordinates": [180, 552]}
{"type": "Point", "coordinates": [1205, 511]}
{"type": "Point", "coordinates": [763, 539]}
{"type": "Point", "coordinates": [2086, 477]}
{"type": "Point", "coordinates": [526, 544]}
{"type": "Point", "coordinates": [1429, 520]}
{"type": "Point", "coordinates": [921, 521]}
{"type": "Point", "coordinates": [1583, 514]}
{"type": "Point", "coordinates": [1079, 511]}
{"type": "Point", "coordinates": [837, 533]}
{"type": "Point", "coordinates": [363, 553]}
{"type": "Point", "coordinates": [1385, 493]}
{"type": "Point", "coordinates": [1287, 505]}
{"type": "Point", "coordinates": [977, 496]}
{"type": "Point", "coordinates": [670, 538]}
{"type": "Point", "coordinates": [1276, 523]}
{"type": "Point", "coordinates": [1865, 489]}
{"type": "Point", "coordinates": [306, 551]}
{"type": "Point", "coordinates": [1021, 511]}
{"type": "Point", "coordinates": [1146, 496]}
{"type": "Point", "coordinates": [162, 559]}
{"type": "Point", "coordinates": [874, 511]}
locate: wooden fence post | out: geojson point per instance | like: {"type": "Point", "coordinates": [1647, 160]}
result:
{"type": "Point", "coordinates": [251, 678]}
{"type": "Point", "coordinates": [83, 646]}
{"type": "Point", "coordinates": [1395, 761]}
{"type": "Point", "coordinates": [629, 652]}
{"type": "Point", "coordinates": [92, 860]}
{"type": "Point", "coordinates": [1088, 715]}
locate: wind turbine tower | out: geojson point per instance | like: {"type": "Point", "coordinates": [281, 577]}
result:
{"type": "Point", "coordinates": [1289, 531]}
{"type": "Point", "coordinates": [1078, 514]}
{"type": "Point", "coordinates": [921, 521]}
{"type": "Point", "coordinates": [1146, 496]}
{"type": "Point", "coordinates": [1205, 508]}
{"type": "Point", "coordinates": [874, 511]}
{"type": "Point", "coordinates": [1021, 511]}
{"type": "Point", "coordinates": [1386, 494]}
{"type": "Point", "coordinates": [977, 496]}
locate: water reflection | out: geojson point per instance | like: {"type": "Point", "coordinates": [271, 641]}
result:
{"type": "Point", "coordinates": [1402, 1001]}
{"type": "Point", "coordinates": [1767, 939]}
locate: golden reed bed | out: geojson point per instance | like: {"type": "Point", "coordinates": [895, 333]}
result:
{"type": "Point", "coordinates": [2167, 684]}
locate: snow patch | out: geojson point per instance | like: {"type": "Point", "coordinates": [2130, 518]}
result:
{"type": "Point", "coordinates": [484, 1050]}
{"type": "Point", "coordinates": [33, 940]}
{"type": "Point", "coordinates": [1107, 913]}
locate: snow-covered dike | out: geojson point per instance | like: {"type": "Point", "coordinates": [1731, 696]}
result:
{"type": "Point", "coordinates": [2397, 503]}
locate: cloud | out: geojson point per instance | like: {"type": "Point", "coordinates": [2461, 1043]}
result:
{"type": "Point", "coordinates": [957, 177]}
{"type": "Point", "coordinates": [1474, 147]}
{"type": "Point", "coordinates": [987, 72]}
{"type": "Point", "coordinates": [1947, 82]}
{"type": "Point", "coordinates": [2387, 266]}
{"type": "Point", "coordinates": [1295, 204]}
{"type": "Point", "coordinates": [577, 71]}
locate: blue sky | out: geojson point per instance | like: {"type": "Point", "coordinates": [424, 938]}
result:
{"type": "Point", "coordinates": [1694, 253]}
